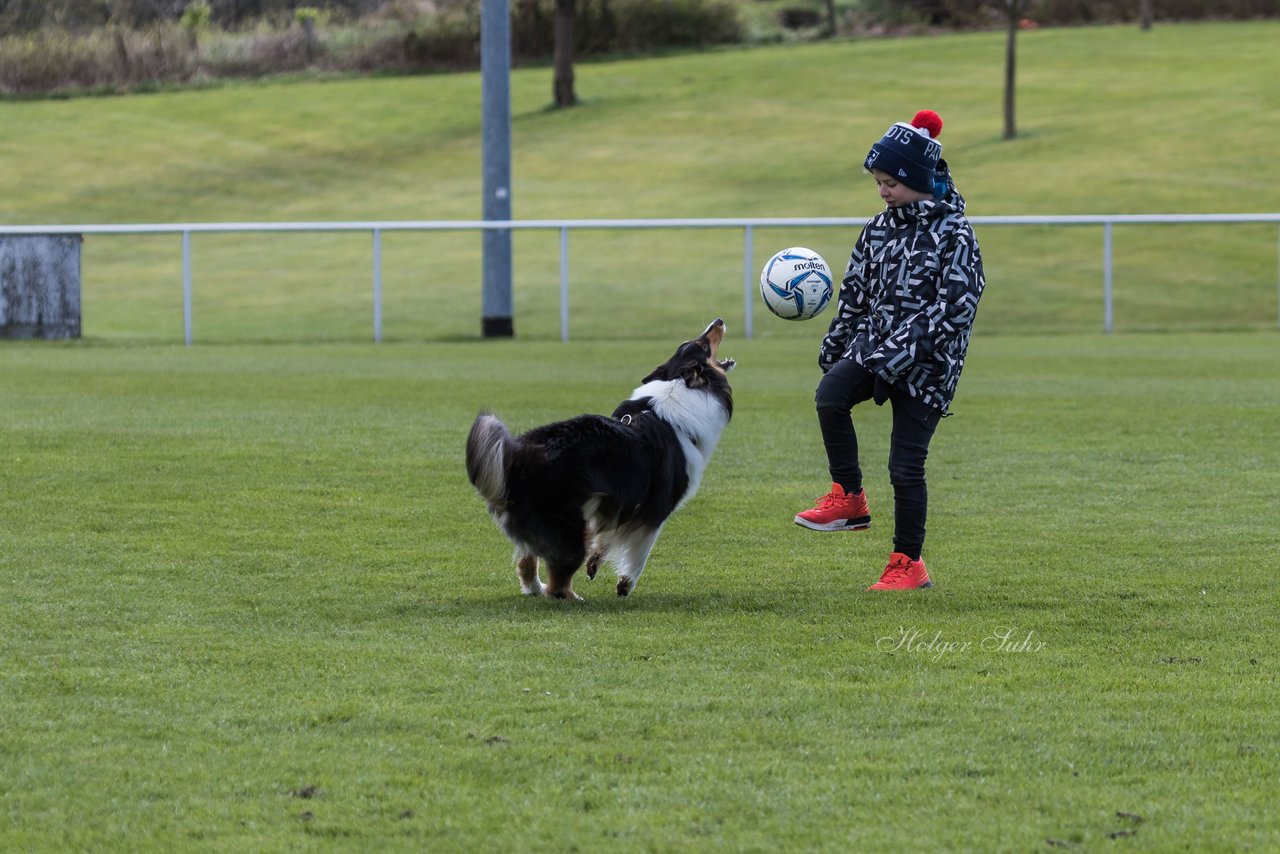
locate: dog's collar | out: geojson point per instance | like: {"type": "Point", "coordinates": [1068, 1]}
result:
{"type": "Point", "coordinates": [630, 418]}
{"type": "Point", "coordinates": [629, 410]}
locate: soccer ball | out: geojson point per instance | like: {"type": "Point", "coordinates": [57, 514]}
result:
{"type": "Point", "coordinates": [796, 284]}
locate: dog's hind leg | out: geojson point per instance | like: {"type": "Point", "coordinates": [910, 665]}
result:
{"type": "Point", "coordinates": [527, 571]}
{"type": "Point", "coordinates": [560, 581]}
{"type": "Point", "coordinates": [563, 560]}
{"type": "Point", "coordinates": [595, 546]}
{"type": "Point", "coordinates": [562, 544]}
{"type": "Point", "coordinates": [634, 555]}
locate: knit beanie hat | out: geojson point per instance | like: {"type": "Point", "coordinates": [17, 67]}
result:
{"type": "Point", "coordinates": [909, 152]}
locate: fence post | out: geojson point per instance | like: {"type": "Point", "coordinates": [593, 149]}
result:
{"type": "Point", "coordinates": [1107, 309]}
{"type": "Point", "coordinates": [186, 286]}
{"type": "Point", "coordinates": [377, 286]}
{"type": "Point", "coordinates": [746, 281]}
{"type": "Point", "coordinates": [496, 294]}
{"type": "Point", "coordinates": [564, 283]}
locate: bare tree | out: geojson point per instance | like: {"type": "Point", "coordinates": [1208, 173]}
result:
{"type": "Point", "coordinates": [831, 17]}
{"type": "Point", "coordinates": [1146, 14]}
{"type": "Point", "coordinates": [562, 85]}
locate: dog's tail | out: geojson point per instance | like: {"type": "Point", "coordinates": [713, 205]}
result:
{"type": "Point", "coordinates": [488, 446]}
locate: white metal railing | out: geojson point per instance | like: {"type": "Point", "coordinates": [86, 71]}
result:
{"type": "Point", "coordinates": [376, 229]}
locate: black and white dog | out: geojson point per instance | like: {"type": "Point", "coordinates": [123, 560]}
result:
{"type": "Point", "coordinates": [594, 488]}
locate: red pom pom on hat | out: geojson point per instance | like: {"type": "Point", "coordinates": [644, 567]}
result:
{"type": "Point", "coordinates": [930, 121]}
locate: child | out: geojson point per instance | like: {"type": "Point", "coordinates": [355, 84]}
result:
{"type": "Point", "coordinates": [900, 333]}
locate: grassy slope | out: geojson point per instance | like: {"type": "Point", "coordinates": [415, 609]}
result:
{"type": "Point", "coordinates": [229, 574]}
{"type": "Point", "coordinates": [1112, 120]}
{"type": "Point", "coordinates": [232, 573]}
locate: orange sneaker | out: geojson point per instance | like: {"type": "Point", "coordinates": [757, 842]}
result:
{"type": "Point", "coordinates": [903, 573]}
{"type": "Point", "coordinates": [838, 511]}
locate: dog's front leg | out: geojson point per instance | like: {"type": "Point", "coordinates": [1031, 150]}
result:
{"type": "Point", "coordinates": [596, 548]}
{"type": "Point", "coordinates": [593, 564]}
{"type": "Point", "coordinates": [635, 554]}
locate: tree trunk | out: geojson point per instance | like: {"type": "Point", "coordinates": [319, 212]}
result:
{"type": "Point", "coordinates": [562, 86]}
{"type": "Point", "coordinates": [831, 18]}
{"type": "Point", "coordinates": [309, 37]}
{"type": "Point", "coordinates": [1146, 14]}
{"type": "Point", "coordinates": [1010, 69]}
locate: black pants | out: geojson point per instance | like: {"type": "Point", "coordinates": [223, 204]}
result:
{"type": "Point", "coordinates": [848, 384]}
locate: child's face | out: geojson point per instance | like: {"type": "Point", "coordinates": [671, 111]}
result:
{"type": "Point", "coordinates": [895, 193]}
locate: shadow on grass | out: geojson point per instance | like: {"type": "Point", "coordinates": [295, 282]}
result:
{"type": "Point", "coordinates": [599, 600]}
{"type": "Point", "coordinates": [796, 595]}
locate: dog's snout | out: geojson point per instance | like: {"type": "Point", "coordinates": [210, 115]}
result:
{"type": "Point", "coordinates": [714, 334]}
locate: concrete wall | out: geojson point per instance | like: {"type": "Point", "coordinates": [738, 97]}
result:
{"type": "Point", "coordinates": [40, 286]}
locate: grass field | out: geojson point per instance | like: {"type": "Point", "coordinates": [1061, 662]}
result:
{"type": "Point", "coordinates": [251, 603]}
{"type": "Point", "coordinates": [248, 600]}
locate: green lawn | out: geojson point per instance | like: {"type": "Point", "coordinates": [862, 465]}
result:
{"type": "Point", "coordinates": [251, 603]}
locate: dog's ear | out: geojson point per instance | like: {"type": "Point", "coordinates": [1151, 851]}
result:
{"type": "Point", "coordinates": [675, 367]}
{"type": "Point", "coordinates": [691, 364]}
{"type": "Point", "coordinates": [683, 367]}
{"type": "Point", "coordinates": [694, 373]}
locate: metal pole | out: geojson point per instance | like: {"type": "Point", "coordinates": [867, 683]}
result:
{"type": "Point", "coordinates": [1107, 316]}
{"type": "Point", "coordinates": [377, 286]}
{"type": "Point", "coordinates": [495, 68]}
{"type": "Point", "coordinates": [564, 283]}
{"type": "Point", "coordinates": [746, 281]}
{"type": "Point", "coordinates": [186, 287]}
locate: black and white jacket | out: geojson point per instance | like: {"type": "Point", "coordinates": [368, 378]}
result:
{"type": "Point", "coordinates": [909, 297]}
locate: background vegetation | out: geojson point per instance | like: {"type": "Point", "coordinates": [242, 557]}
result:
{"type": "Point", "coordinates": [27, 15]}
{"type": "Point", "coordinates": [79, 46]}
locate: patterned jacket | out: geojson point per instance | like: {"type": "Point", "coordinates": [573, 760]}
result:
{"type": "Point", "coordinates": [909, 297]}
